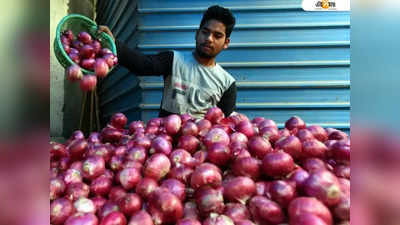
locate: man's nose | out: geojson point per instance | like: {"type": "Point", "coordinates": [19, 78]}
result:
{"type": "Point", "coordinates": [209, 38]}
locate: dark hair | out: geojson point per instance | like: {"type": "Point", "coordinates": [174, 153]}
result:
{"type": "Point", "coordinates": [221, 14]}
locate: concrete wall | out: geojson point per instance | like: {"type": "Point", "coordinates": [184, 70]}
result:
{"type": "Point", "coordinates": [65, 97]}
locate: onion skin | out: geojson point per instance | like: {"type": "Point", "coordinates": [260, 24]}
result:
{"type": "Point", "coordinates": [175, 187]}
{"type": "Point", "coordinates": [72, 176]}
{"type": "Point", "coordinates": [190, 210]}
{"type": "Point", "coordinates": [291, 145]}
{"type": "Point", "coordinates": [188, 221]}
{"type": "Point", "coordinates": [314, 148]}
{"type": "Point", "coordinates": [98, 202]}
{"type": "Point", "coordinates": [206, 174]}
{"type": "Point", "coordinates": [129, 177]}
{"type": "Point", "coordinates": [141, 218]}
{"type": "Point", "coordinates": [263, 209]}
{"type": "Point", "coordinates": [269, 133]}
{"type": "Point", "coordinates": [204, 126]}
{"type": "Point", "coordinates": [341, 152]}
{"type": "Point", "coordinates": [302, 205]}
{"type": "Point", "coordinates": [209, 200]}
{"type": "Point", "coordinates": [295, 122]}
{"type": "Point", "coordinates": [342, 171]}
{"type": "Point", "coordinates": [259, 147]}
{"type": "Point", "coordinates": [101, 186]}
{"type": "Point", "coordinates": [165, 207]}
{"type": "Point", "coordinates": [114, 218]}
{"type": "Point", "coordinates": [318, 132]}
{"type": "Point", "coordinates": [267, 123]}
{"type": "Point", "coordinates": [93, 167]}
{"type": "Point", "coordinates": [282, 192]}
{"type": "Point", "coordinates": [57, 188]}
{"type": "Point", "coordinates": [76, 190]}
{"type": "Point", "coordinates": [189, 143]}
{"type": "Point", "coordinates": [323, 185]}
{"type": "Point", "coordinates": [277, 164]}
{"type": "Point", "coordinates": [247, 166]}
{"type": "Point", "coordinates": [172, 124]}
{"type": "Point", "coordinates": [108, 208]}
{"type": "Point", "coordinates": [244, 222]}
{"type": "Point", "coordinates": [307, 219]}
{"type": "Point", "coordinates": [181, 173]}
{"type": "Point", "coordinates": [219, 154]}
{"type": "Point", "coordinates": [298, 177]}
{"type": "Point", "coordinates": [314, 164]}
{"type": "Point", "coordinates": [215, 219]}
{"type": "Point", "coordinates": [146, 186]}
{"type": "Point", "coordinates": [116, 193]}
{"type": "Point", "coordinates": [216, 135]}
{"type": "Point", "coordinates": [137, 153]}
{"type": "Point", "coordinates": [130, 204]}
{"type": "Point", "coordinates": [214, 115]}
{"type": "Point", "coordinates": [181, 157]}
{"type": "Point", "coordinates": [239, 189]}
{"type": "Point", "coordinates": [189, 128]}
{"type": "Point", "coordinates": [304, 135]}
{"type": "Point", "coordinates": [88, 83]}
{"type": "Point", "coordinates": [84, 205]}
{"type": "Point", "coordinates": [77, 149]}
{"type": "Point", "coordinates": [101, 68]}
{"type": "Point", "coordinates": [60, 210]}
{"type": "Point", "coordinates": [74, 73]}
{"type": "Point", "coordinates": [157, 166]}
{"type": "Point", "coordinates": [245, 127]}
{"type": "Point", "coordinates": [82, 218]}
{"type": "Point", "coordinates": [236, 212]}
{"type": "Point", "coordinates": [262, 188]}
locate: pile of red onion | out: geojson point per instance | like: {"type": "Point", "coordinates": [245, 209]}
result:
{"type": "Point", "coordinates": [213, 171]}
{"type": "Point", "coordinates": [86, 52]}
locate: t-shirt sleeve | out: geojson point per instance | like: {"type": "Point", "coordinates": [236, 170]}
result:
{"type": "Point", "coordinates": [227, 102]}
{"type": "Point", "coordinates": [144, 65]}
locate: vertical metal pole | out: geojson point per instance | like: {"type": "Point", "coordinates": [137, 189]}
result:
{"type": "Point", "coordinates": [82, 109]}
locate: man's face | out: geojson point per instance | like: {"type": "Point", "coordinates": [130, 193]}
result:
{"type": "Point", "coordinates": [211, 39]}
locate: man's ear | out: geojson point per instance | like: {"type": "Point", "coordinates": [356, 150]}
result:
{"type": "Point", "coordinates": [227, 41]}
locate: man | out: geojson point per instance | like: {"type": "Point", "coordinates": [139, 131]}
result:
{"type": "Point", "coordinates": [193, 82]}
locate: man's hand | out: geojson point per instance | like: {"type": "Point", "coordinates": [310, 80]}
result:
{"type": "Point", "coordinates": [106, 30]}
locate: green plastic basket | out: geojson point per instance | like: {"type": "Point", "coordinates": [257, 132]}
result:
{"type": "Point", "coordinates": [78, 23]}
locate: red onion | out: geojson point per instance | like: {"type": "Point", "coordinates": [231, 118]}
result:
{"type": "Point", "coordinates": [114, 218]}
{"type": "Point", "coordinates": [141, 218]}
{"type": "Point", "coordinates": [247, 166]}
{"type": "Point", "coordinates": [161, 145]}
{"type": "Point", "coordinates": [77, 166]}
{"type": "Point", "coordinates": [116, 163]}
{"type": "Point", "coordinates": [88, 83]}
{"type": "Point", "coordinates": [186, 118]}
{"type": "Point", "coordinates": [298, 177]}
{"type": "Point", "coordinates": [318, 132]}
{"type": "Point", "coordinates": [77, 149]}
{"type": "Point", "coordinates": [240, 153]}
{"type": "Point", "coordinates": [98, 202]}
{"type": "Point", "coordinates": [108, 174]}
{"type": "Point", "coordinates": [130, 204]}
{"type": "Point", "coordinates": [277, 164]}
{"type": "Point", "coordinates": [165, 207]}
{"type": "Point", "coordinates": [58, 150]}
{"type": "Point", "coordinates": [189, 143]}
{"type": "Point", "coordinates": [105, 51]}
{"type": "Point", "coordinates": [313, 164]}
{"type": "Point", "coordinates": [57, 188]}
{"type": "Point", "coordinates": [66, 48]}
{"type": "Point", "coordinates": [94, 137]}
{"type": "Point", "coordinates": [284, 133]}
{"type": "Point", "coordinates": [282, 192]}
{"type": "Point", "coordinates": [314, 148]}
{"type": "Point", "coordinates": [74, 57]}
{"type": "Point", "coordinates": [74, 51]}
{"type": "Point", "coordinates": [96, 46]}
{"type": "Point", "coordinates": [204, 126]}
{"type": "Point", "coordinates": [190, 128]}
{"type": "Point", "coordinates": [342, 171]}
{"type": "Point", "coordinates": [151, 129]}
{"type": "Point", "coordinates": [342, 209]}
{"type": "Point", "coordinates": [245, 127]}
{"type": "Point", "coordinates": [74, 73]}
{"type": "Point", "coordinates": [101, 68]}
{"type": "Point", "coordinates": [257, 120]}
{"type": "Point", "coordinates": [206, 174]}
{"type": "Point", "coordinates": [259, 147]}
{"type": "Point", "coordinates": [238, 137]}
{"type": "Point", "coordinates": [200, 157]}
{"type": "Point", "coordinates": [175, 187]}
{"type": "Point", "coordinates": [157, 166]}
{"type": "Point", "coordinates": [101, 186]}
{"type": "Point", "coordinates": [295, 122]}
{"type": "Point", "coordinates": [143, 141]}
{"type": "Point", "coordinates": [108, 208]}
{"type": "Point", "coordinates": [60, 210]}
{"type": "Point", "coordinates": [219, 154]}
{"type": "Point", "coordinates": [172, 124]}
{"type": "Point", "coordinates": [145, 187]}
{"type": "Point", "coordinates": [137, 153]}
{"type": "Point", "coordinates": [85, 37]}
{"type": "Point", "coordinates": [129, 177]}
{"type": "Point", "coordinates": [181, 173]}
{"type": "Point", "coordinates": [238, 117]}
{"type": "Point", "coordinates": [216, 135]}
{"type": "Point", "coordinates": [65, 40]}
{"type": "Point", "coordinates": [64, 163]}
{"type": "Point", "coordinates": [72, 176]}
{"type": "Point", "coordinates": [215, 219]}
{"type": "Point", "coordinates": [69, 34]}
{"type": "Point", "coordinates": [82, 218]}
{"type": "Point", "coordinates": [180, 157]}
{"type": "Point", "coordinates": [118, 120]}
{"type": "Point", "coordinates": [135, 125]}
{"type": "Point", "coordinates": [268, 123]}
{"type": "Point", "coordinates": [116, 193]}
{"type": "Point", "coordinates": [239, 189]}
{"type": "Point", "coordinates": [77, 44]}
{"type": "Point", "coordinates": [111, 135]}
{"type": "Point", "coordinates": [307, 219]}
{"type": "Point", "coordinates": [262, 187]}
{"type": "Point", "coordinates": [190, 210]}
{"type": "Point", "coordinates": [109, 58]}
{"type": "Point", "coordinates": [323, 185]}
{"type": "Point", "coordinates": [244, 222]}
{"type": "Point", "coordinates": [93, 167]}
{"type": "Point", "coordinates": [214, 115]}
{"type": "Point", "coordinates": [341, 152]}
{"type": "Point", "coordinates": [236, 212]}
{"type": "Point", "coordinates": [84, 205]}
{"type": "Point", "coordinates": [86, 51]}
{"type": "Point", "coordinates": [303, 205]}
{"type": "Point", "coordinates": [209, 200]}
{"type": "Point", "coordinates": [338, 135]}
{"type": "Point", "coordinates": [304, 135]}
{"type": "Point", "coordinates": [77, 190]}
{"type": "Point", "coordinates": [291, 145]}
{"type": "Point", "coordinates": [269, 133]}
{"type": "Point", "coordinates": [188, 221]}
{"type": "Point", "coordinates": [265, 210]}
{"type": "Point", "coordinates": [133, 164]}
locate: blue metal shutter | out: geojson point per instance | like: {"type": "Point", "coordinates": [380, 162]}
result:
{"type": "Point", "coordinates": [286, 61]}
